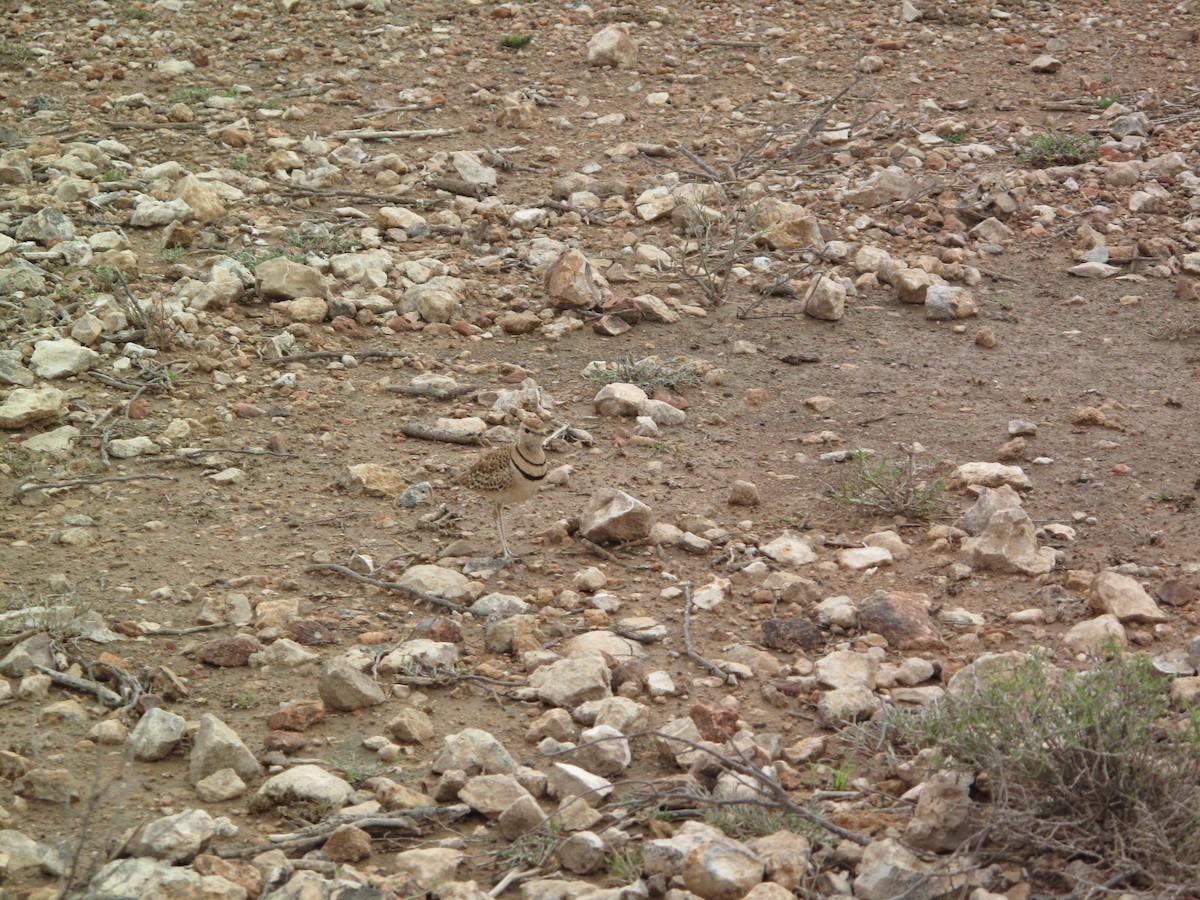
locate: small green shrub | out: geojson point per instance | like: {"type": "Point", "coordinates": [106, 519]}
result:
{"type": "Point", "coordinates": [516, 41]}
{"type": "Point", "coordinates": [321, 242]}
{"type": "Point", "coordinates": [650, 374]}
{"type": "Point", "coordinates": [889, 487]}
{"type": "Point", "coordinates": [1087, 765]}
{"type": "Point", "coordinates": [1055, 149]}
{"type": "Point", "coordinates": [747, 820]}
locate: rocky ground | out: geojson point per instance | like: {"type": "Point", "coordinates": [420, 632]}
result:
{"type": "Point", "coordinates": [864, 338]}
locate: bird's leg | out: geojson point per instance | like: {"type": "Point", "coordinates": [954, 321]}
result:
{"type": "Point", "coordinates": [500, 528]}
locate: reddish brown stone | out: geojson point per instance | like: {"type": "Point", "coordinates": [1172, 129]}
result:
{"type": "Point", "coordinates": [297, 716]}
{"type": "Point", "coordinates": [239, 872]}
{"type": "Point", "coordinates": [309, 632]}
{"type": "Point", "coordinates": [715, 722]}
{"type": "Point", "coordinates": [228, 652]}
{"type": "Point", "coordinates": [285, 741]}
{"type": "Point", "coordinates": [440, 629]}
{"type": "Point", "coordinates": [903, 619]}
{"type": "Point", "coordinates": [1174, 592]}
{"type": "Point", "coordinates": [792, 633]}
{"type": "Point", "coordinates": [348, 844]}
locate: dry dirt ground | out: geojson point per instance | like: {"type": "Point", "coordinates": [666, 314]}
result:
{"type": "Point", "coordinates": [152, 550]}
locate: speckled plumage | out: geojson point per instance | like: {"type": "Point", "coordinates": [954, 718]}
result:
{"type": "Point", "coordinates": [508, 474]}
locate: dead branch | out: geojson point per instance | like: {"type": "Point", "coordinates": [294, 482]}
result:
{"type": "Point", "coordinates": [401, 820]}
{"type": "Point", "coordinates": [338, 354]}
{"type": "Point", "coordinates": [9, 639]}
{"type": "Point", "coordinates": [154, 126]}
{"type": "Point", "coordinates": [593, 547]}
{"type": "Point", "coordinates": [191, 454]}
{"type": "Point", "coordinates": [724, 42]}
{"type": "Point", "coordinates": [687, 640]}
{"type": "Point", "coordinates": [412, 390]}
{"type": "Point", "coordinates": [395, 586]}
{"type": "Point", "coordinates": [191, 629]}
{"type": "Point", "coordinates": [397, 199]}
{"type": "Point", "coordinates": [40, 486]}
{"type": "Point", "coordinates": [111, 699]}
{"type": "Point", "coordinates": [370, 134]}
{"type": "Point", "coordinates": [430, 433]}
{"type": "Point", "coordinates": [740, 763]}
{"type": "Point", "coordinates": [510, 877]}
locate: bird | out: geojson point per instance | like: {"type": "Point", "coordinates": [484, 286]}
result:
{"type": "Point", "coordinates": [509, 474]}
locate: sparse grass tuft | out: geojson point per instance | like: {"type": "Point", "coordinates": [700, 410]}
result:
{"type": "Point", "coordinates": [1104, 102]}
{"type": "Point", "coordinates": [626, 864]}
{"type": "Point", "coordinates": [889, 487]}
{"type": "Point", "coordinates": [171, 254]}
{"type": "Point", "coordinates": [354, 765]}
{"type": "Point", "coordinates": [749, 820]}
{"type": "Point", "coordinates": [1084, 765]}
{"type": "Point", "coordinates": [1056, 149]}
{"type": "Point", "coordinates": [516, 41]}
{"type": "Point", "coordinates": [650, 374]}
{"type": "Point", "coordinates": [955, 137]}
{"type": "Point", "coordinates": [14, 56]}
{"type": "Point", "coordinates": [321, 242]}
{"type": "Point", "coordinates": [533, 849]}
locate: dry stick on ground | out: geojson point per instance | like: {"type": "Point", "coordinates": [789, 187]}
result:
{"type": "Point", "coordinates": [687, 640]}
{"type": "Point", "coordinates": [370, 134]}
{"type": "Point", "coordinates": [154, 126]}
{"type": "Point", "coordinates": [191, 629]}
{"type": "Point", "coordinates": [511, 876]}
{"type": "Point", "coordinates": [111, 699]}
{"type": "Point", "coordinates": [742, 765]}
{"type": "Point", "coordinates": [190, 455]}
{"type": "Point", "coordinates": [595, 548]}
{"type": "Point", "coordinates": [413, 390]}
{"type": "Point", "coordinates": [394, 586]}
{"type": "Point", "coordinates": [430, 433]}
{"type": "Point", "coordinates": [39, 486]}
{"type": "Point", "coordinates": [393, 199]}
{"type": "Point", "coordinates": [9, 639]}
{"type": "Point", "coordinates": [338, 354]}
{"type": "Point", "coordinates": [402, 819]}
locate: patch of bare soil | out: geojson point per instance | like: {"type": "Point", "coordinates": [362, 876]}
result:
{"type": "Point", "coordinates": [246, 247]}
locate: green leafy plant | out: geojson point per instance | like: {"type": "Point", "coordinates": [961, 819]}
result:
{"type": "Point", "coordinates": [241, 162]}
{"type": "Point", "coordinates": [112, 175]}
{"type": "Point", "coordinates": [534, 849]}
{"type": "Point", "coordinates": [321, 242]}
{"type": "Point", "coordinates": [137, 12]}
{"type": "Point", "coordinates": [14, 55]}
{"type": "Point", "coordinates": [1005, 303]}
{"type": "Point", "coordinates": [747, 820]}
{"type": "Point", "coordinates": [626, 864]}
{"type": "Point", "coordinates": [252, 259]}
{"type": "Point", "coordinates": [354, 766]}
{"type": "Point", "coordinates": [955, 137]}
{"type": "Point", "coordinates": [516, 41]}
{"type": "Point", "coordinates": [1104, 102]}
{"type": "Point", "coordinates": [650, 374]}
{"type": "Point", "coordinates": [1057, 149]}
{"type": "Point", "coordinates": [1087, 765]}
{"type": "Point", "coordinates": [191, 94]}
{"type": "Point", "coordinates": [890, 487]}
{"type": "Point", "coordinates": [172, 253]}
